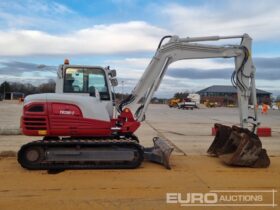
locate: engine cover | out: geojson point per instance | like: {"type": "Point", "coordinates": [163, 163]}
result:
{"type": "Point", "coordinates": [64, 115]}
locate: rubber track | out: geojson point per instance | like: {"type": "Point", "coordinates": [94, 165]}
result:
{"type": "Point", "coordinates": [84, 143]}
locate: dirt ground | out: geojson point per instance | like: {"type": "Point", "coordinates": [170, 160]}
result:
{"type": "Point", "coordinates": [145, 187]}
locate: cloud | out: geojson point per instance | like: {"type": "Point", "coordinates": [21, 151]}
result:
{"type": "Point", "coordinates": [133, 68]}
{"type": "Point", "coordinates": [142, 63]}
{"type": "Point", "coordinates": [167, 88]}
{"type": "Point", "coordinates": [179, 79]}
{"type": "Point", "coordinates": [14, 71]}
{"type": "Point", "coordinates": [50, 28]}
{"type": "Point", "coordinates": [273, 63]}
{"type": "Point", "coordinates": [200, 74]}
{"type": "Point", "coordinates": [266, 69]}
{"type": "Point", "coordinates": [267, 74]}
{"type": "Point", "coordinates": [34, 7]}
{"type": "Point", "coordinates": [193, 75]}
{"type": "Point", "coordinates": [134, 36]}
{"type": "Point", "coordinates": [260, 20]}
{"type": "Point", "coordinates": [132, 63]}
{"type": "Point", "coordinates": [37, 14]}
{"type": "Point", "coordinates": [41, 28]}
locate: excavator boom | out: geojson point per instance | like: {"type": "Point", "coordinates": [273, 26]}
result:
{"type": "Point", "coordinates": [248, 147]}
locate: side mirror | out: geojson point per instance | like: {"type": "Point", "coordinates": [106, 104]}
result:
{"type": "Point", "coordinates": [113, 73]}
{"type": "Point", "coordinates": [114, 82]}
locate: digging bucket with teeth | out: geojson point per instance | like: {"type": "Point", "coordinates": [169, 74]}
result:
{"type": "Point", "coordinates": [238, 147]}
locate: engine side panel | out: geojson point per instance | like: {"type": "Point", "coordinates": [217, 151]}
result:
{"type": "Point", "coordinates": [60, 119]}
{"type": "Point", "coordinates": [91, 107]}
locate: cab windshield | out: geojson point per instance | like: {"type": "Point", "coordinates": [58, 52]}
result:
{"type": "Point", "coordinates": [84, 80]}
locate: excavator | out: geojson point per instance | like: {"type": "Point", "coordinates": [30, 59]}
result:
{"type": "Point", "coordinates": [80, 128]}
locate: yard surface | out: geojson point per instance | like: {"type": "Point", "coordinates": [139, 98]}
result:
{"type": "Point", "coordinates": [146, 187]}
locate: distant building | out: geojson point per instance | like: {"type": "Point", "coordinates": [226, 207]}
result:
{"type": "Point", "coordinates": [13, 95]}
{"type": "Point", "coordinates": [227, 95]}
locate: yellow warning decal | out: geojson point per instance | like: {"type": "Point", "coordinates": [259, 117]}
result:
{"type": "Point", "coordinates": [42, 132]}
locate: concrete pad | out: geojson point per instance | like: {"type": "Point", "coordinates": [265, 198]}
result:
{"type": "Point", "coordinates": [190, 130]}
{"type": "Point", "coordinates": [10, 112]}
{"type": "Point", "coordinates": [14, 142]}
{"type": "Point", "coordinates": [146, 134]}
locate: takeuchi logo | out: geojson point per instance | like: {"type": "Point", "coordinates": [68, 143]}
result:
{"type": "Point", "coordinates": [67, 112]}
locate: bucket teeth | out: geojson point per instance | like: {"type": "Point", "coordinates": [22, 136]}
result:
{"type": "Point", "coordinates": [159, 153]}
{"type": "Point", "coordinates": [239, 147]}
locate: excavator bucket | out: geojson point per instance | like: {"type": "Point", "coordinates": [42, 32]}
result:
{"type": "Point", "coordinates": [159, 153]}
{"type": "Point", "coordinates": [238, 147]}
{"type": "Point", "coordinates": [222, 134]}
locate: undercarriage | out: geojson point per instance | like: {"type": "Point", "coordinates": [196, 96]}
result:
{"type": "Point", "coordinates": [91, 153]}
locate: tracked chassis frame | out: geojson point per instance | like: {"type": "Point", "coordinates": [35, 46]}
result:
{"type": "Point", "coordinates": [97, 153]}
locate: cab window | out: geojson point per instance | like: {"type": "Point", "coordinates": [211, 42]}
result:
{"type": "Point", "coordinates": [84, 80]}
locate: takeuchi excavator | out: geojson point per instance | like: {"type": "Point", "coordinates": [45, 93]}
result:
{"type": "Point", "coordinates": [79, 129]}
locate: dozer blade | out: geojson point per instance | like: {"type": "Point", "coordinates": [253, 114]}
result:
{"type": "Point", "coordinates": [159, 153]}
{"type": "Point", "coordinates": [239, 147]}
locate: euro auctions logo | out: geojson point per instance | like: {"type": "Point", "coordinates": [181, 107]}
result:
{"type": "Point", "coordinates": [192, 198]}
{"type": "Point", "coordinates": [255, 198]}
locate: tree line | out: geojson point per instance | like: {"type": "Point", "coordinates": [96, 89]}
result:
{"type": "Point", "coordinates": [181, 95]}
{"type": "Point", "coordinates": [27, 88]}
{"type": "Point", "coordinates": [49, 87]}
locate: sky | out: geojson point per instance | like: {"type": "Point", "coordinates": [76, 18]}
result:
{"type": "Point", "coordinates": [124, 34]}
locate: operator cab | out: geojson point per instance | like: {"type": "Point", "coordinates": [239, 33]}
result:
{"type": "Point", "coordinates": [86, 80]}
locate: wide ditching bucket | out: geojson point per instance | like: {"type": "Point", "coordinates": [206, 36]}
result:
{"type": "Point", "coordinates": [238, 147]}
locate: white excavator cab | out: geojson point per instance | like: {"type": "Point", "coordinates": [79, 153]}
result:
{"type": "Point", "coordinates": [92, 81]}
